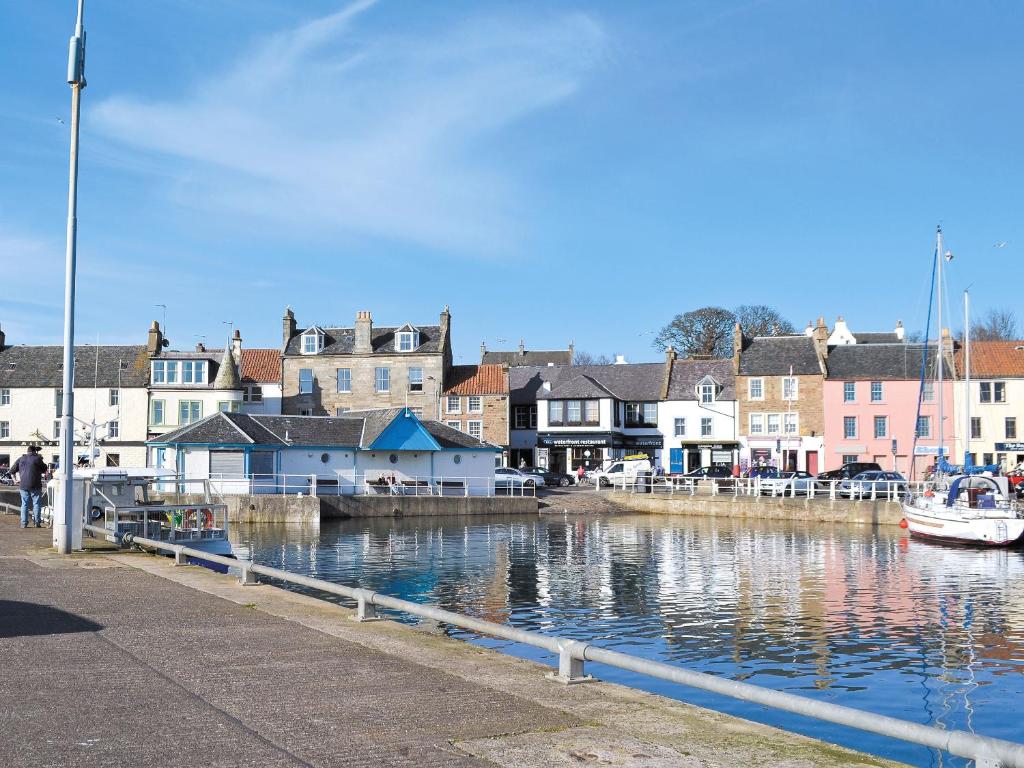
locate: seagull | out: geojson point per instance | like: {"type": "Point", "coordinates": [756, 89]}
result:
{"type": "Point", "coordinates": [60, 120]}
{"type": "Point", "coordinates": [1000, 244]}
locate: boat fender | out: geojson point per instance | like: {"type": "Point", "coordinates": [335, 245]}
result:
{"type": "Point", "coordinates": [207, 518]}
{"type": "Point", "coordinates": [929, 493]}
{"type": "Point", "coordinates": [903, 523]}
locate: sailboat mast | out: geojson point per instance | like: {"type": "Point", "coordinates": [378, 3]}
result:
{"type": "Point", "coordinates": [967, 381]}
{"type": "Point", "coordinates": [938, 356]}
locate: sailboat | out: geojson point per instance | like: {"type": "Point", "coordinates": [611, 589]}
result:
{"type": "Point", "coordinates": [967, 504]}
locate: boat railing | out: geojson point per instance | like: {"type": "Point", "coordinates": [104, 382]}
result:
{"type": "Point", "coordinates": [572, 656]}
{"type": "Point", "coordinates": [170, 514]}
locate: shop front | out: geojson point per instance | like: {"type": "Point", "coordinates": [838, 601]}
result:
{"type": "Point", "coordinates": [694, 455]}
{"type": "Point", "coordinates": [788, 454]}
{"type": "Point", "coordinates": [566, 451]}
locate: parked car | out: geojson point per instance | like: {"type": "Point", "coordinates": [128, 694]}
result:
{"type": "Point", "coordinates": [620, 472]}
{"type": "Point", "coordinates": [550, 477]}
{"type": "Point", "coordinates": [717, 470]}
{"type": "Point", "coordinates": [882, 483]}
{"type": "Point", "coordinates": [507, 479]}
{"type": "Point", "coordinates": [847, 472]}
{"type": "Point", "coordinates": [787, 483]}
{"type": "Point", "coordinates": [761, 472]}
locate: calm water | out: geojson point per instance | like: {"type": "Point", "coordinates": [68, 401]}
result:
{"type": "Point", "coordinates": [855, 616]}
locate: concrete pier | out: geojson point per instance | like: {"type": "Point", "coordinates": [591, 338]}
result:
{"type": "Point", "coordinates": [125, 660]}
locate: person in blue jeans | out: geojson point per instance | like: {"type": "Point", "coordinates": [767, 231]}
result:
{"type": "Point", "coordinates": [30, 469]}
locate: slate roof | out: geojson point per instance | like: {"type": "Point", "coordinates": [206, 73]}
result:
{"type": "Point", "coordinates": [447, 437]}
{"type": "Point", "coordinates": [631, 382]}
{"type": "Point", "coordinates": [877, 338]}
{"type": "Point", "coordinates": [43, 366]}
{"type": "Point", "coordinates": [515, 358]}
{"type": "Point", "coordinates": [686, 373]}
{"type": "Point", "coordinates": [341, 341]}
{"type": "Point", "coordinates": [477, 380]}
{"type": "Point", "coordinates": [876, 362]}
{"type": "Point", "coordinates": [994, 358]}
{"type": "Point", "coordinates": [580, 386]}
{"type": "Point", "coordinates": [261, 366]}
{"type": "Point", "coordinates": [773, 356]}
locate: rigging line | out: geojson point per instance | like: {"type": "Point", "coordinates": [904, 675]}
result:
{"type": "Point", "coordinates": [924, 365]}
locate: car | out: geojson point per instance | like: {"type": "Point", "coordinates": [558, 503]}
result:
{"type": "Point", "coordinates": [549, 476]}
{"type": "Point", "coordinates": [846, 472]}
{"type": "Point", "coordinates": [717, 470]}
{"type": "Point", "coordinates": [621, 472]}
{"type": "Point", "coordinates": [508, 479]}
{"type": "Point", "coordinates": [883, 483]}
{"type": "Point", "coordinates": [787, 483]}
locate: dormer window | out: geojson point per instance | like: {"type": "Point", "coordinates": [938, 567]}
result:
{"type": "Point", "coordinates": [408, 341]}
{"type": "Point", "coordinates": [707, 390]}
{"type": "Point", "coordinates": [312, 341]}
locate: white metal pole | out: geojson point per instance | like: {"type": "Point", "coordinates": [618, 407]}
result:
{"type": "Point", "coordinates": [62, 518]}
{"type": "Point", "coordinates": [938, 356]}
{"type": "Point", "coordinates": [967, 377]}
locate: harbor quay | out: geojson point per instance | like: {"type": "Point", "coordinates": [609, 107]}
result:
{"type": "Point", "coordinates": [123, 659]}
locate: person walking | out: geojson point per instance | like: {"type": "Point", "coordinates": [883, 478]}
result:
{"type": "Point", "coordinates": [30, 470]}
{"type": "Point", "coordinates": [579, 475]}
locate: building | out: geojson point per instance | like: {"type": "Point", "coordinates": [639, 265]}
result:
{"type": "Point", "coordinates": [476, 401]}
{"type": "Point", "coordinates": [525, 357]}
{"type": "Point", "coordinates": [329, 370]}
{"type": "Point", "coordinates": [261, 381]}
{"type": "Point", "coordinates": [779, 390]}
{"type": "Point", "coordinates": [698, 413]}
{"type": "Point", "coordinates": [871, 403]}
{"type": "Point", "coordinates": [996, 407]}
{"type": "Point", "coordinates": [255, 452]}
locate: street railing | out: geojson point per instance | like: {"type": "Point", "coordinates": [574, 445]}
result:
{"type": "Point", "coordinates": [878, 490]}
{"type": "Point", "coordinates": [373, 483]}
{"type": "Point", "coordinates": [573, 654]}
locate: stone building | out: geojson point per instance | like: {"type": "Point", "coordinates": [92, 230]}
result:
{"type": "Point", "coordinates": [329, 370]}
{"type": "Point", "coordinates": [779, 388]}
{"type": "Point", "coordinates": [476, 401]}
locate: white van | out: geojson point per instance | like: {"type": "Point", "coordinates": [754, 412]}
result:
{"type": "Point", "coordinates": [621, 471]}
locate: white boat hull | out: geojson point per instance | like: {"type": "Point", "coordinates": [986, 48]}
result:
{"type": "Point", "coordinates": [952, 528]}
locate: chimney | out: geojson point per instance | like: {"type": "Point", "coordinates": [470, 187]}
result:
{"type": "Point", "coordinates": [200, 347]}
{"type": "Point", "coordinates": [236, 348]}
{"type": "Point", "coordinates": [446, 323]}
{"type": "Point", "coordinates": [620, 360]}
{"type": "Point", "coordinates": [522, 349]}
{"type": "Point", "coordinates": [820, 337]}
{"type": "Point", "coordinates": [809, 330]}
{"type": "Point", "coordinates": [483, 351]}
{"type": "Point", "coordinates": [155, 339]}
{"type": "Point", "coordinates": [947, 348]}
{"type": "Point", "coordinates": [900, 333]}
{"type": "Point", "coordinates": [841, 332]}
{"type": "Point", "coordinates": [572, 352]}
{"type": "Point", "coordinates": [3, 338]}
{"type": "Point", "coordinates": [737, 347]}
{"type": "Point", "coordinates": [287, 327]}
{"type": "Point", "coordinates": [364, 332]}
{"type": "Point", "coordinates": [670, 359]}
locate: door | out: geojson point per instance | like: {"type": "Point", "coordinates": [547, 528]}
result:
{"type": "Point", "coordinates": [812, 462]}
{"type": "Point", "coordinates": [675, 461]}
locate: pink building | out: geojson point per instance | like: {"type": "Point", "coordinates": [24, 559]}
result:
{"type": "Point", "coordinates": [871, 398]}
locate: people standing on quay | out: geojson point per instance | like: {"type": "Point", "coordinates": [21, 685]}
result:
{"type": "Point", "coordinates": [30, 469]}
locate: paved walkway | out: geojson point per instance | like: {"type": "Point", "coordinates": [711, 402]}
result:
{"type": "Point", "coordinates": [128, 661]}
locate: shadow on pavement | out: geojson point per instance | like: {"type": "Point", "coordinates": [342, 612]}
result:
{"type": "Point", "coordinates": [18, 619]}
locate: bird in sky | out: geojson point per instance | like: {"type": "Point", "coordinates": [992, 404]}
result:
{"type": "Point", "coordinates": [1000, 244]}
{"type": "Point", "coordinates": [60, 120]}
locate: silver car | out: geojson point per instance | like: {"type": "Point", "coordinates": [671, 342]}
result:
{"type": "Point", "coordinates": [787, 483]}
{"type": "Point", "coordinates": [506, 478]}
{"type": "Point", "coordinates": [882, 483]}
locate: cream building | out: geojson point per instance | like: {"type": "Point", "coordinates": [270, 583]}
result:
{"type": "Point", "coordinates": [996, 404]}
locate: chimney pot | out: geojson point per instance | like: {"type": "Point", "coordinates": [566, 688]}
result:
{"type": "Point", "coordinates": [364, 332]}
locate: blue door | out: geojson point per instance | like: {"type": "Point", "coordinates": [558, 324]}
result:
{"type": "Point", "coordinates": [675, 461]}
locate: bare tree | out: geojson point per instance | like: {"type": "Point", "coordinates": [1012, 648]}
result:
{"type": "Point", "coordinates": [581, 357]}
{"type": "Point", "coordinates": [704, 332]}
{"type": "Point", "coordinates": [762, 320]}
{"type": "Point", "coordinates": [995, 325]}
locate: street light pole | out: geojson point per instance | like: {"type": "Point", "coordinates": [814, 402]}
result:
{"type": "Point", "coordinates": [62, 518]}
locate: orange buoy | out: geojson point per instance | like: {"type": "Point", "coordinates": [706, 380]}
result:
{"type": "Point", "coordinates": [903, 523]}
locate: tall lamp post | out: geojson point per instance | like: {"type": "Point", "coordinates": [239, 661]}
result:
{"type": "Point", "coordinates": [63, 512]}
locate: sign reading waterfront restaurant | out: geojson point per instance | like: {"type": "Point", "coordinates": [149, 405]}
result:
{"type": "Point", "coordinates": [573, 441]}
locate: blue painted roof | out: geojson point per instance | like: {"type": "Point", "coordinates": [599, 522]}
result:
{"type": "Point", "coordinates": [405, 433]}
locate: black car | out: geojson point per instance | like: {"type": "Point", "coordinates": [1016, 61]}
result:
{"type": "Point", "coordinates": [848, 471]}
{"type": "Point", "coordinates": [719, 470]}
{"type": "Point", "coordinates": [550, 478]}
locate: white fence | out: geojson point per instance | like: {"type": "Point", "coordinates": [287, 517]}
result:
{"type": "Point", "coordinates": [756, 486]}
{"type": "Point", "coordinates": [372, 484]}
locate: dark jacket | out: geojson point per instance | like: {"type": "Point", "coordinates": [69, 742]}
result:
{"type": "Point", "coordinates": [30, 469]}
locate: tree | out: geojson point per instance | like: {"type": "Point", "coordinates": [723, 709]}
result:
{"type": "Point", "coordinates": [704, 332]}
{"type": "Point", "coordinates": [580, 357]}
{"type": "Point", "coordinates": [762, 320]}
{"type": "Point", "coordinates": [995, 325]}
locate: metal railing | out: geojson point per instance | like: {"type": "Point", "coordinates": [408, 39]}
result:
{"type": "Point", "coordinates": [372, 483]}
{"type": "Point", "coordinates": [573, 654]}
{"type": "Point", "coordinates": [774, 487]}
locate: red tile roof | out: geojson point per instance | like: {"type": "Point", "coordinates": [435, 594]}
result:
{"type": "Point", "coordinates": [478, 380]}
{"type": "Point", "coordinates": [994, 358]}
{"type": "Point", "coordinates": [262, 365]}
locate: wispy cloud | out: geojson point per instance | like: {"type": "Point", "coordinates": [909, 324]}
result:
{"type": "Point", "coordinates": [381, 134]}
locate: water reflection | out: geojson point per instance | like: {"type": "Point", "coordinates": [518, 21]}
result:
{"type": "Point", "coordinates": [857, 616]}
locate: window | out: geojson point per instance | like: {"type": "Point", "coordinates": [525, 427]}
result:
{"type": "Point", "coordinates": [415, 379]}
{"type": "Point", "coordinates": [312, 341]}
{"type": "Point", "coordinates": [757, 423]}
{"type": "Point", "coordinates": [228, 406]}
{"type": "Point", "coordinates": [525, 417]}
{"type": "Point", "coordinates": [975, 428]}
{"type": "Point", "coordinates": [789, 423]}
{"type": "Point", "coordinates": [476, 404]}
{"type": "Point", "coordinates": [591, 411]}
{"type": "Point", "coordinates": [252, 394]}
{"type": "Point", "coordinates": [165, 371]}
{"type": "Point", "coordinates": [193, 371]}
{"type": "Point", "coordinates": [113, 429]}
{"type": "Point", "coordinates": [924, 426]}
{"type": "Point", "coordinates": [632, 414]}
{"type": "Point", "coordinates": [5, 397]}
{"type": "Point", "coordinates": [156, 412]}
{"type": "Point", "coordinates": [850, 458]}
{"type": "Point", "coordinates": [573, 413]}
{"type": "Point", "coordinates": [408, 341]}
{"type": "Point", "coordinates": [58, 400]}
{"type": "Point", "coordinates": [455, 425]}
{"type": "Point", "coordinates": [986, 459]}
{"type": "Point", "coordinates": [454, 404]}
{"type": "Point", "coordinates": [849, 427]}
{"type": "Point", "coordinates": [475, 429]}
{"type": "Point", "coordinates": [305, 381]}
{"type": "Point", "coordinates": [1011, 428]}
{"type": "Point", "coordinates": [705, 427]}
{"type": "Point", "coordinates": [650, 411]}
{"type": "Point", "coordinates": [189, 411]}
{"type": "Point", "coordinates": [999, 391]}
{"type": "Point", "coordinates": [339, 411]}
{"type": "Point", "coordinates": [555, 412]}
{"type": "Point", "coordinates": [707, 393]}
{"type": "Point", "coordinates": [114, 397]}
{"type": "Point", "coordinates": [849, 391]}
{"type": "Point", "coordinates": [305, 411]}
{"type": "Point", "coordinates": [928, 394]}
{"type": "Point", "coordinates": [382, 379]}
{"type": "Point", "coordinates": [113, 459]}
{"type": "Point", "coordinates": [755, 389]}
{"type": "Point", "coordinates": [773, 423]}
{"type": "Point", "coordinates": [985, 391]}
{"type": "Point", "coordinates": [790, 388]}
{"type": "Point", "coordinates": [881, 426]}
{"type": "Point", "coordinates": [56, 429]}
{"type": "Point", "coordinates": [159, 372]}
{"type": "Point", "coordinates": [5, 429]}
{"type": "Point", "coordinates": [679, 427]}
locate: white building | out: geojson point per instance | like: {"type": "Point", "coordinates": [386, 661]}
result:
{"type": "Point", "coordinates": [996, 405]}
{"type": "Point", "coordinates": [261, 380]}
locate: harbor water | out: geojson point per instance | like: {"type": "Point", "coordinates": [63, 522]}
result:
{"type": "Point", "coordinates": [858, 616]}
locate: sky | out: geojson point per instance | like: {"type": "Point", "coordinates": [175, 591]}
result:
{"type": "Point", "coordinates": [552, 171]}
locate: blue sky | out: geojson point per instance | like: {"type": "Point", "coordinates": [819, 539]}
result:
{"type": "Point", "coordinates": [552, 171]}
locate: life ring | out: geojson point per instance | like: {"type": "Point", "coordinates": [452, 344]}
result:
{"type": "Point", "coordinates": [207, 518]}
{"type": "Point", "coordinates": [189, 518]}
